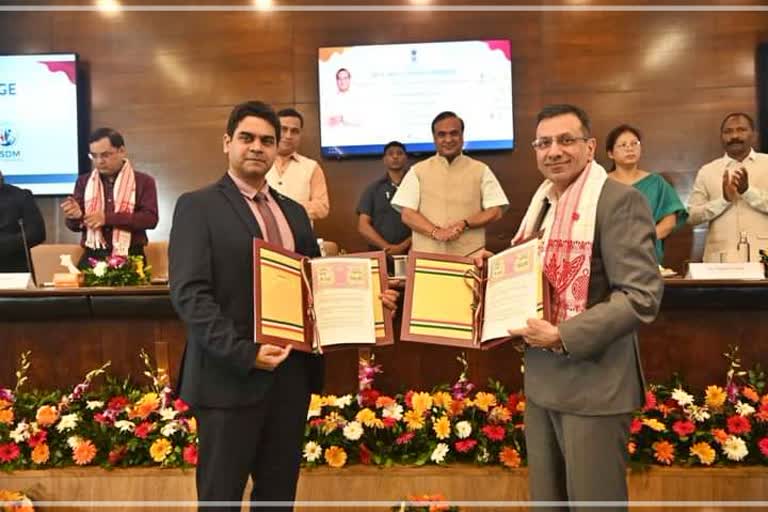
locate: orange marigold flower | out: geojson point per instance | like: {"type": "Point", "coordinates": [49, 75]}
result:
{"type": "Point", "coordinates": [192, 425]}
{"type": "Point", "coordinates": [457, 407]}
{"type": "Point", "coordinates": [6, 416]}
{"type": "Point", "coordinates": [84, 453]}
{"type": "Point", "coordinates": [484, 401]}
{"type": "Point", "coordinates": [41, 453]}
{"type": "Point", "coordinates": [705, 453]}
{"type": "Point", "coordinates": [335, 456]}
{"type": "Point", "coordinates": [664, 452]}
{"type": "Point", "coordinates": [46, 415]}
{"type": "Point", "coordinates": [750, 394]}
{"type": "Point", "coordinates": [442, 399]}
{"type": "Point", "coordinates": [148, 404]}
{"type": "Point", "coordinates": [510, 457]}
{"type": "Point", "coordinates": [719, 435]}
{"type": "Point", "coordinates": [521, 406]}
{"type": "Point", "coordinates": [631, 448]}
{"type": "Point", "coordinates": [715, 397]}
{"type": "Point", "coordinates": [384, 401]}
{"type": "Point", "coordinates": [500, 414]}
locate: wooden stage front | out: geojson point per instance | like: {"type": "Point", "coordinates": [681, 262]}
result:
{"type": "Point", "coordinates": [356, 484]}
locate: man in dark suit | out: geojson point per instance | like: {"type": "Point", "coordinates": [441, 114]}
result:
{"type": "Point", "coordinates": [250, 398]}
{"type": "Point", "coordinates": [583, 376]}
{"type": "Point", "coordinates": [17, 204]}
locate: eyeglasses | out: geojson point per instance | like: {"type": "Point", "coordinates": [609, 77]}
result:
{"type": "Point", "coordinates": [627, 145]}
{"type": "Point", "coordinates": [565, 139]}
{"type": "Point", "coordinates": [105, 155]}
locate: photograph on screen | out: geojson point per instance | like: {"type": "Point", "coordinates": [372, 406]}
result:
{"type": "Point", "coordinates": [372, 94]}
{"type": "Point", "coordinates": [38, 122]}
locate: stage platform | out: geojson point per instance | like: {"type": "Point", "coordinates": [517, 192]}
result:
{"type": "Point", "coordinates": [365, 483]}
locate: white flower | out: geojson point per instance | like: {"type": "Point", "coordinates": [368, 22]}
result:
{"type": "Point", "coordinates": [735, 448]}
{"type": "Point", "coordinates": [125, 426]}
{"type": "Point", "coordinates": [439, 453]}
{"type": "Point", "coordinates": [73, 441]}
{"type": "Point", "coordinates": [463, 429]}
{"type": "Point", "coordinates": [744, 409]}
{"type": "Point", "coordinates": [168, 413]}
{"type": "Point", "coordinates": [482, 455]}
{"type": "Point", "coordinates": [697, 413]}
{"type": "Point", "coordinates": [353, 430]}
{"type": "Point", "coordinates": [394, 411]}
{"type": "Point", "coordinates": [312, 451]}
{"type": "Point", "coordinates": [170, 428]}
{"type": "Point", "coordinates": [67, 422]}
{"type": "Point", "coordinates": [94, 404]}
{"type": "Point", "coordinates": [344, 401]}
{"type": "Point", "coordinates": [100, 269]}
{"type": "Point", "coordinates": [20, 433]}
{"type": "Point", "coordinates": [681, 397]}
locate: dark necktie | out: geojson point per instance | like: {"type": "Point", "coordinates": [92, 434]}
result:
{"type": "Point", "coordinates": [273, 232]}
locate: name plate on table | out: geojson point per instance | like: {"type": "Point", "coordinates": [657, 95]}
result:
{"type": "Point", "coordinates": [746, 271]}
{"type": "Point", "coordinates": [15, 280]}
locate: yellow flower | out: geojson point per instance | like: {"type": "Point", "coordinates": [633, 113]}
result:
{"type": "Point", "coordinates": [442, 428]}
{"type": "Point", "coordinates": [315, 402]}
{"type": "Point", "coordinates": [84, 453]}
{"type": "Point", "coordinates": [6, 416]}
{"type": "Point", "coordinates": [442, 399]}
{"type": "Point", "coordinates": [704, 452]}
{"type": "Point", "coordinates": [192, 426]}
{"type": "Point", "coordinates": [413, 420]}
{"type": "Point", "coordinates": [484, 401]}
{"type": "Point", "coordinates": [148, 404]}
{"type": "Point", "coordinates": [333, 421]}
{"type": "Point", "coordinates": [421, 402]}
{"type": "Point", "coordinates": [47, 415]}
{"type": "Point", "coordinates": [368, 418]}
{"type": "Point", "coordinates": [139, 267]}
{"type": "Point", "coordinates": [521, 406]}
{"type": "Point", "coordinates": [160, 449]}
{"type": "Point", "coordinates": [715, 397]}
{"type": "Point", "coordinates": [329, 400]}
{"type": "Point", "coordinates": [335, 456]}
{"type": "Point", "coordinates": [654, 424]}
{"type": "Point", "coordinates": [41, 453]}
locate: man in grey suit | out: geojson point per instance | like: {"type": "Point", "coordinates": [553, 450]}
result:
{"type": "Point", "coordinates": [583, 376]}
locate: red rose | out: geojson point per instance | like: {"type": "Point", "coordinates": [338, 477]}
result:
{"type": "Point", "coordinates": [494, 432]}
{"type": "Point", "coordinates": [180, 405]}
{"type": "Point", "coordinates": [684, 428]}
{"type": "Point", "coordinates": [465, 446]}
{"type": "Point", "coordinates": [368, 397]}
{"type": "Point", "coordinates": [190, 454]}
{"type": "Point", "coordinates": [738, 425]}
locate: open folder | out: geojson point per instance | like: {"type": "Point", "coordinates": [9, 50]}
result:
{"type": "Point", "coordinates": [322, 303]}
{"type": "Point", "coordinates": [449, 301]}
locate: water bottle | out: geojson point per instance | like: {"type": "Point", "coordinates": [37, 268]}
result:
{"type": "Point", "coordinates": [742, 248]}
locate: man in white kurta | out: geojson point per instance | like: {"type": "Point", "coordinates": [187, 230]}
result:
{"type": "Point", "coordinates": [731, 194]}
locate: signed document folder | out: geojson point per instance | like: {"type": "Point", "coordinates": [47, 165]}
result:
{"type": "Point", "coordinates": [449, 301]}
{"type": "Point", "coordinates": [319, 304]}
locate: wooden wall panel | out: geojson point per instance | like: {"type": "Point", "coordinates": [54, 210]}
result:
{"type": "Point", "coordinates": [168, 80]}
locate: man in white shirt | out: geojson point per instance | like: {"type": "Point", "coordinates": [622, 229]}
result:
{"type": "Point", "coordinates": [449, 198]}
{"type": "Point", "coordinates": [731, 193]}
{"type": "Point", "coordinates": [294, 175]}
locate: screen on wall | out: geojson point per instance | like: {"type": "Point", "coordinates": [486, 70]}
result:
{"type": "Point", "coordinates": [370, 95]}
{"type": "Point", "coordinates": [38, 122]}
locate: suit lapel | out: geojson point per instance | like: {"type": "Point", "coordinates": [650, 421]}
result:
{"type": "Point", "coordinates": [239, 204]}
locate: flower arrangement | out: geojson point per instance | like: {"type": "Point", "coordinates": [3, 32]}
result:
{"type": "Point", "coordinates": [425, 503]}
{"type": "Point", "coordinates": [12, 501]}
{"type": "Point", "coordinates": [120, 425]}
{"type": "Point", "coordinates": [117, 271]}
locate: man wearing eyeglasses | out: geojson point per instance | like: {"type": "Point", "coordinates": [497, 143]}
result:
{"type": "Point", "coordinates": [583, 377]}
{"type": "Point", "coordinates": [449, 198]}
{"type": "Point", "coordinates": [114, 205]}
{"type": "Point", "coordinates": [731, 193]}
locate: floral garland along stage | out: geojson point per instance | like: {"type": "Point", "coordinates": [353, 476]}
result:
{"type": "Point", "coordinates": [121, 425]}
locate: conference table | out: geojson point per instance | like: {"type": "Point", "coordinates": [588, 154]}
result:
{"type": "Point", "coordinates": [72, 331]}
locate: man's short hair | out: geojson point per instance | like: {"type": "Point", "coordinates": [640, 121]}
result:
{"type": "Point", "coordinates": [113, 135]}
{"type": "Point", "coordinates": [343, 69]}
{"type": "Point", "coordinates": [395, 144]}
{"type": "Point", "coordinates": [292, 112]}
{"type": "Point", "coordinates": [446, 115]}
{"type": "Point", "coordinates": [256, 109]}
{"type": "Point", "coordinates": [738, 114]}
{"type": "Point", "coordinates": [562, 109]}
